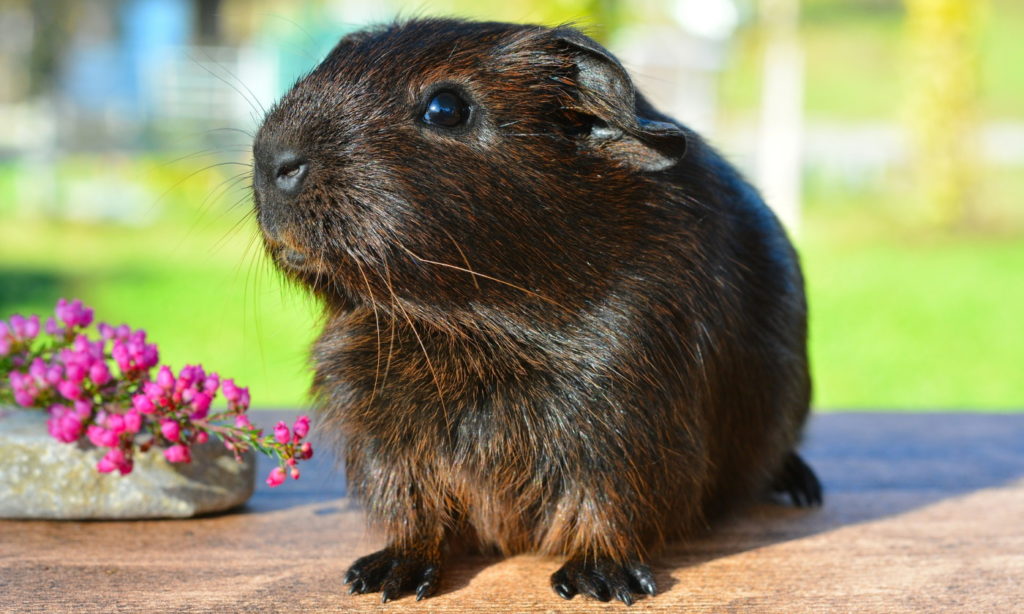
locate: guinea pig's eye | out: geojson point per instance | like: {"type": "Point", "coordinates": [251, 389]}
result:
{"type": "Point", "coordinates": [447, 110]}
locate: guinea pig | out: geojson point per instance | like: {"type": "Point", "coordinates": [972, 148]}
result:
{"type": "Point", "coordinates": [555, 320]}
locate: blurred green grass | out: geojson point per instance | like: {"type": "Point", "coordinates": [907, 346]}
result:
{"type": "Point", "coordinates": [204, 299]}
{"type": "Point", "coordinates": [907, 324]}
{"type": "Point", "coordinates": [899, 320]}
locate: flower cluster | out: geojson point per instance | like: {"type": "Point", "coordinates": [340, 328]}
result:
{"type": "Point", "coordinates": [129, 409]}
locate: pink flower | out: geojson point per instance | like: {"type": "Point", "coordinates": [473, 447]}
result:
{"type": "Point", "coordinates": [115, 422]}
{"type": "Point", "coordinates": [281, 433]}
{"type": "Point", "coordinates": [69, 429]}
{"type": "Point", "coordinates": [133, 421]}
{"type": "Point", "coordinates": [99, 373]}
{"type": "Point", "coordinates": [231, 392]}
{"type": "Point", "coordinates": [171, 430]}
{"type": "Point", "coordinates": [114, 459]}
{"type": "Point", "coordinates": [78, 365]}
{"type": "Point", "coordinates": [83, 409]}
{"type": "Point", "coordinates": [30, 329]}
{"type": "Point", "coordinates": [24, 388]}
{"type": "Point", "coordinates": [63, 424]}
{"type": "Point", "coordinates": [121, 356]}
{"type": "Point", "coordinates": [71, 390]}
{"type": "Point", "coordinates": [38, 371]}
{"type": "Point", "coordinates": [24, 329]}
{"type": "Point", "coordinates": [101, 437]}
{"type": "Point", "coordinates": [24, 398]}
{"type": "Point", "coordinates": [178, 454]}
{"type": "Point", "coordinates": [53, 375]}
{"type": "Point", "coordinates": [148, 357]}
{"type": "Point", "coordinates": [153, 391]}
{"type": "Point", "coordinates": [301, 428]}
{"type": "Point", "coordinates": [75, 373]}
{"type": "Point", "coordinates": [74, 313]}
{"type": "Point", "coordinates": [143, 404]}
{"type": "Point", "coordinates": [306, 451]}
{"type": "Point", "coordinates": [295, 473]}
{"type": "Point", "coordinates": [81, 345]}
{"type": "Point", "coordinates": [190, 374]}
{"type": "Point", "coordinates": [132, 353]}
{"type": "Point", "coordinates": [276, 477]}
{"type": "Point", "coordinates": [164, 378]}
{"type": "Point", "coordinates": [200, 405]}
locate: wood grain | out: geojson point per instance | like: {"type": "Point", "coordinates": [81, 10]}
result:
{"type": "Point", "coordinates": [923, 514]}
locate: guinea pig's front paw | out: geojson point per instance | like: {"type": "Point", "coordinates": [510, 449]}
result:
{"type": "Point", "coordinates": [603, 579]}
{"type": "Point", "coordinates": [392, 572]}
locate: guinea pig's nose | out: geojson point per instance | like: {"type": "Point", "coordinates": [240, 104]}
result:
{"type": "Point", "coordinates": [288, 171]}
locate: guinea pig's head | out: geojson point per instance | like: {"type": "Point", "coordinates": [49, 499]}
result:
{"type": "Point", "coordinates": [452, 165]}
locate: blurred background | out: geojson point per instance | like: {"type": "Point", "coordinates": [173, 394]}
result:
{"type": "Point", "coordinates": [888, 135]}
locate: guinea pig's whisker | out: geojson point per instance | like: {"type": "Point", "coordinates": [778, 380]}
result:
{"type": "Point", "coordinates": [430, 366]}
{"type": "Point", "coordinates": [248, 133]}
{"type": "Point", "coordinates": [201, 152]}
{"type": "Point", "coordinates": [376, 322]}
{"type": "Point", "coordinates": [494, 279]}
{"type": "Point", "coordinates": [234, 227]}
{"type": "Point", "coordinates": [253, 102]}
{"type": "Point", "coordinates": [464, 259]}
{"type": "Point", "coordinates": [221, 189]}
{"type": "Point", "coordinates": [394, 319]}
{"type": "Point", "coordinates": [305, 51]}
{"type": "Point", "coordinates": [250, 253]}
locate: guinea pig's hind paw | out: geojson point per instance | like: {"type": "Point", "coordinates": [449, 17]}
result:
{"type": "Point", "coordinates": [392, 573]}
{"type": "Point", "coordinates": [797, 480]}
{"type": "Point", "coordinates": [603, 579]}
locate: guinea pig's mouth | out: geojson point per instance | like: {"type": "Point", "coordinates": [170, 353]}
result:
{"type": "Point", "coordinates": [292, 259]}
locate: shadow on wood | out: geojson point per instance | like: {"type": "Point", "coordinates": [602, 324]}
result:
{"type": "Point", "coordinates": [922, 514]}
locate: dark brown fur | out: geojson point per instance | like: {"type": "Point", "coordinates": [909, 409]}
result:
{"type": "Point", "coordinates": [570, 328]}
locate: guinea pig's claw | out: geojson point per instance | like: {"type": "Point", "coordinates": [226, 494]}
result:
{"type": "Point", "coordinates": [564, 590]}
{"type": "Point", "coordinates": [393, 573]}
{"type": "Point", "coordinates": [642, 578]}
{"type": "Point", "coordinates": [603, 579]}
{"type": "Point", "coordinates": [798, 480]}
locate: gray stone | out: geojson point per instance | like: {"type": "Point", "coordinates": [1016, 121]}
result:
{"type": "Point", "coordinates": [41, 477]}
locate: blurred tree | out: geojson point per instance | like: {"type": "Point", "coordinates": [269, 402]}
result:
{"type": "Point", "coordinates": [944, 47]}
{"type": "Point", "coordinates": [50, 37]}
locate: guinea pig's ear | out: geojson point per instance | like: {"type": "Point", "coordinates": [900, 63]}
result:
{"type": "Point", "coordinates": [605, 93]}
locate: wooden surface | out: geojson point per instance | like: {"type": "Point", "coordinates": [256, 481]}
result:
{"type": "Point", "coordinates": [923, 513]}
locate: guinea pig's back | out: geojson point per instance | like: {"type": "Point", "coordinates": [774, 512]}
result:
{"type": "Point", "coordinates": [751, 329]}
